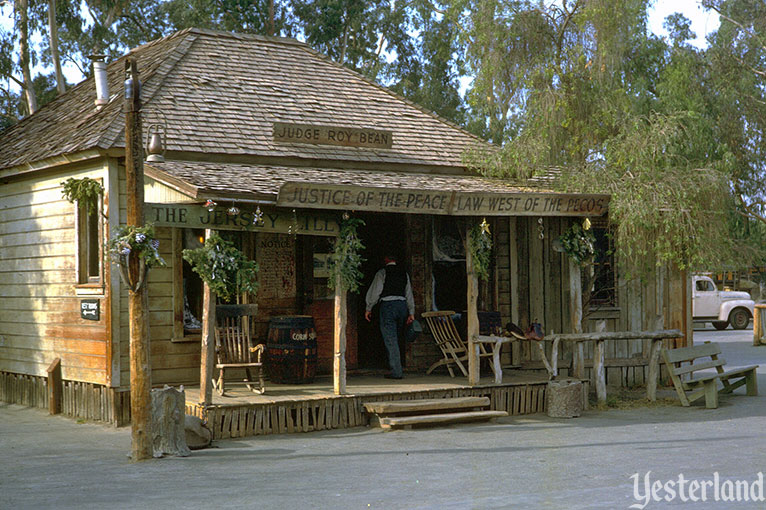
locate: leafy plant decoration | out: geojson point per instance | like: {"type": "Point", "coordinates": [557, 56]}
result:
{"type": "Point", "coordinates": [224, 268]}
{"type": "Point", "coordinates": [85, 192]}
{"type": "Point", "coordinates": [345, 260]}
{"type": "Point", "coordinates": [480, 244]}
{"type": "Point", "coordinates": [578, 243]}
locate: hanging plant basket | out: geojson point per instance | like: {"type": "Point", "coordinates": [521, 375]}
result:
{"type": "Point", "coordinates": [132, 241]}
{"type": "Point", "coordinates": [224, 268]}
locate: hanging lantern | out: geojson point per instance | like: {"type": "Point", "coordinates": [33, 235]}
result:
{"type": "Point", "coordinates": [232, 211]}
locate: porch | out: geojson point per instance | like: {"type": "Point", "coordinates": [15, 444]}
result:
{"type": "Point", "coordinates": [288, 408]}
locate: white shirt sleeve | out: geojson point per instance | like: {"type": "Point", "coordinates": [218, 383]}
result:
{"type": "Point", "coordinates": [410, 298]}
{"type": "Point", "coordinates": [376, 288]}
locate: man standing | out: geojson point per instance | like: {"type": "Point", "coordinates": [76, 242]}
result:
{"type": "Point", "coordinates": [391, 286]}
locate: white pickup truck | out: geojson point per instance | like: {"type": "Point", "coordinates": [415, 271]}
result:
{"type": "Point", "coordinates": [720, 307]}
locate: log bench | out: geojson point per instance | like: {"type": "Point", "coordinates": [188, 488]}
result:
{"type": "Point", "coordinates": [705, 385]}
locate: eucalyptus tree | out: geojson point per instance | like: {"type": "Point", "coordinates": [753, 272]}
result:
{"type": "Point", "coordinates": [581, 88]}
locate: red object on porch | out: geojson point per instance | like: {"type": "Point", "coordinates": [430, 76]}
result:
{"type": "Point", "coordinates": [291, 349]}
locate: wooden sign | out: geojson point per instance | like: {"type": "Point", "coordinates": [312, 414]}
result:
{"type": "Point", "coordinates": [323, 196]}
{"type": "Point", "coordinates": [90, 309]}
{"type": "Point", "coordinates": [272, 220]}
{"type": "Point", "coordinates": [332, 135]}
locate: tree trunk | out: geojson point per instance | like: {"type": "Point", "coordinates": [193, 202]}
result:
{"type": "Point", "coordinates": [22, 6]}
{"type": "Point", "coordinates": [168, 422]}
{"type": "Point", "coordinates": [53, 34]}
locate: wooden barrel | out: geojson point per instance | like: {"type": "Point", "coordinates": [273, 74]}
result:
{"type": "Point", "coordinates": [291, 349]}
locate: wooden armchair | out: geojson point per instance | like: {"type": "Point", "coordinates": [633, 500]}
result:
{"type": "Point", "coordinates": [235, 326]}
{"type": "Point", "coordinates": [453, 347]}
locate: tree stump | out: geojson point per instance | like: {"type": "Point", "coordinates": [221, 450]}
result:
{"type": "Point", "coordinates": [168, 422]}
{"type": "Point", "coordinates": [563, 398]}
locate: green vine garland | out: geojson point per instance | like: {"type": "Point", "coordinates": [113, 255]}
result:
{"type": "Point", "coordinates": [85, 191]}
{"type": "Point", "coordinates": [578, 243]}
{"type": "Point", "coordinates": [224, 268]}
{"type": "Point", "coordinates": [346, 259]}
{"type": "Point", "coordinates": [480, 244]}
{"type": "Point", "coordinates": [140, 241]}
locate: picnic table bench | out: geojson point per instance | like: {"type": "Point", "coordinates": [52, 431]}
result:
{"type": "Point", "coordinates": [706, 384]}
{"type": "Point", "coordinates": [599, 373]}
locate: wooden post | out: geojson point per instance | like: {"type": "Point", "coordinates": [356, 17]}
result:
{"type": "Point", "coordinates": [575, 313]}
{"type": "Point", "coordinates": [140, 368]}
{"type": "Point", "coordinates": [598, 371]}
{"type": "Point", "coordinates": [55, 390]}
{"type": "Point", "coordinates": [472, 330]}
{"type": "Point", "coordinates": [654, 369]}
{"type": "Point", "coordinates": [207, 353]}
{"type": "Point", "coordinates": [339, 339]}
{"type": "Point", "coordinates": [758, 325]}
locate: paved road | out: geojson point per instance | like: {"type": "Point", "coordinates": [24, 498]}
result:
{"type": "Point", "coordinates": [531, 462]}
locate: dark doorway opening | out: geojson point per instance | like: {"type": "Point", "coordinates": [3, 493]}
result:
{"type": "Point", "coordinates": [382, 234]}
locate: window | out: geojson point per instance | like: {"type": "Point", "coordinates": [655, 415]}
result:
{"type": "Point", "coordinates": [705, 286]}
{"type": "Point", "coordinates": [89, 245]}
{"type": "Point", "coordinates": [603, 274]}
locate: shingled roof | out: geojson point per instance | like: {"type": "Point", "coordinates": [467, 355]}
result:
{"type": "Point", "coordinates": [262, 182]}
{"type": "Point", "coordinates": [220, 93]}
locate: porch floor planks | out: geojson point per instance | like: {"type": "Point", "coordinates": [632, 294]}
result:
{"type": "Point", "coordinates": [304, 408]}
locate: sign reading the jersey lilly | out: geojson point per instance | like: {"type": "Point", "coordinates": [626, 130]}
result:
{"type": "Point", "coordinates": [332, 135]}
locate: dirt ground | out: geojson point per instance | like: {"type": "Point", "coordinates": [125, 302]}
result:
{"type": "Point", "coordinates": [517, 462]}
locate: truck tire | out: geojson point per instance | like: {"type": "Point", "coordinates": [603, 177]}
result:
{"type": "Point", "coordinates": [720, 325]}
{"type": "Point", "coordinates": [739, 318]}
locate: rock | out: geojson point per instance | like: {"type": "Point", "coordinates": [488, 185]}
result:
{"type": "Point", "coordinates": [198, 436]}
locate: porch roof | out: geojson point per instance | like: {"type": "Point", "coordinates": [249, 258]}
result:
{"type": "Point", "coordinates": [373, 190]}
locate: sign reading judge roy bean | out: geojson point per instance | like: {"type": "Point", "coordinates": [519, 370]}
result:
{"type": "Point", "coordinates": [320, 196]}
{"type": "Point", "coordinates": [332, 135]}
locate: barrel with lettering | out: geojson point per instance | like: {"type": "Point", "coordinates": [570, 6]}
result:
{"type": "Point", "coordinates": [291, 349]}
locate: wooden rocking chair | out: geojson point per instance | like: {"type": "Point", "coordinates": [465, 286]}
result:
{"type": "Point", "coordinates": [235, 325]}
{"type": "Point", "coordinates": [453, 347]}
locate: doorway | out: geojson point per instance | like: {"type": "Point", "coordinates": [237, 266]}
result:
{"type": "Point", "coordinates": [381, 234]}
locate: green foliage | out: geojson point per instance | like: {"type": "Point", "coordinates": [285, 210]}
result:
{"type": "Point", "coordinates": [578, 243]}
{"type": "Point", "coordinates": [86, 192]}
{"type": "Point", "coordinates": [480, 244]}
{"type": "Point", "coordinates": [345, 260]}
{"type": "Point", "coordinates": [138, 241]}
{"type": "Point", "coordinates": [224, 268]}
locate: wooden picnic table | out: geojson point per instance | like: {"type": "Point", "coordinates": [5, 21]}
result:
{"type": "Point", "coordinates": [578, 357]}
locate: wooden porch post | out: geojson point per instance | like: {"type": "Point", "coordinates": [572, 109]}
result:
{"type": "Point", "coordinates": [339, 339]}
{"type": "Point", "coordinates": [207, 354]}
{"type": "Point", "coordinates": [575, 313]}
{"type": "Point", "coordinates": [472, 330]}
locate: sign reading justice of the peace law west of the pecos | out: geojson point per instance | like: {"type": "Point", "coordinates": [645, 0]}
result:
{"type": "Point", "coordinates": [332, 135]}
{"type": "Point", "coordinates": [272, 220]}
{"type": "Point", "coordinates": [321, 196]}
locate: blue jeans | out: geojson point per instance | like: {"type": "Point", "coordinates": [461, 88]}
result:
{"type": "Point", "coordinates": [393, 315]}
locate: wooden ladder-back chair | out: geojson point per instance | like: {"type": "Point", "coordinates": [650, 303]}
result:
{"type": "Point", "coordinates": [453, 347]}
{"type": "Point", "coordinates": [235, 327]}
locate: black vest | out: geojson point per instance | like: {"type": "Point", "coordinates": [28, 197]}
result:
{"type": "Point", "coordinates": [396, 281]}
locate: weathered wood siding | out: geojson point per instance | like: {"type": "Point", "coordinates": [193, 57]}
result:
{"type": "Point", "coordinates": [538, 289]}
{"type": "Point", "coordinates": [39, 315]}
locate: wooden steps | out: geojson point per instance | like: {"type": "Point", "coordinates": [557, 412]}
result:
{"type": "Point", "coordinates": [429, 412]}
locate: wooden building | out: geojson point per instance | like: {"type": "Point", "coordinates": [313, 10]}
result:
{"type": "Point", "coordinates": [267, 125]}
